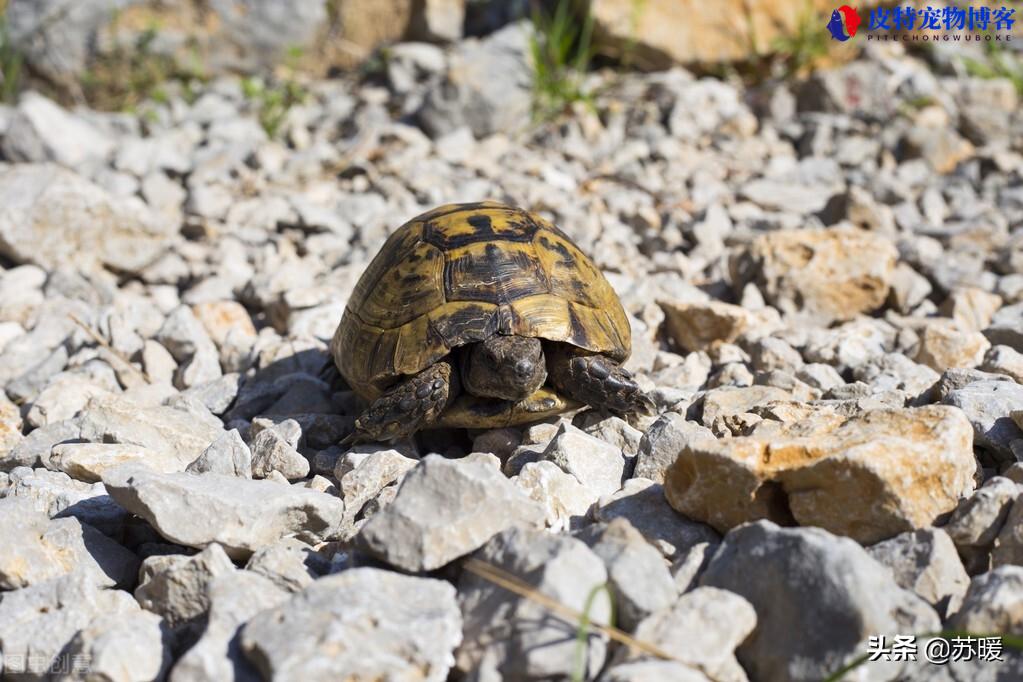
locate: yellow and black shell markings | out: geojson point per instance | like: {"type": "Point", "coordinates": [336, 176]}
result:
{"type": "Point", "coordinates": [462, 273]}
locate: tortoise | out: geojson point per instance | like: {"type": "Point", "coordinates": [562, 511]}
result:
{"type": "Point", "coordinates": [481, 315]}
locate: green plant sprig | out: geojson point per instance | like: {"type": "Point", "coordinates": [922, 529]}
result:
{"type": "Point", "coordinates": [561, 49]}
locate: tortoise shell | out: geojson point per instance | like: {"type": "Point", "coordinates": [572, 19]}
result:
{"type": "Point", "coordinates": [462, 273]}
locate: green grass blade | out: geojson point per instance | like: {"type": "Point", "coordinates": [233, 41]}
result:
{"type": "Point", "coordinates": [583, 629]}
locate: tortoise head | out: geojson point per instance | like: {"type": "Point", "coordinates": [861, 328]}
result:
{"type": "Point", "coordinates": [508, 367]}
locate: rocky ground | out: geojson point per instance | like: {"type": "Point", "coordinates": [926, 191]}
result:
{"type": "Point", "coordinates": [825, 284]}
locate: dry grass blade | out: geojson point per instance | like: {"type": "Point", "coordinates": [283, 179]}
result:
{"type": "Point", "coordinates": [103, 342]}
{"type": "Point", "coordinates": [514, 584]}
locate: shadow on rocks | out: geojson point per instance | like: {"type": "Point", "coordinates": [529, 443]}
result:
{"type": "Point", "coordinates": [304, 387]}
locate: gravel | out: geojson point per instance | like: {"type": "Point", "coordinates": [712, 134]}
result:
{"type": "Point", "coordinates": [824, 280]}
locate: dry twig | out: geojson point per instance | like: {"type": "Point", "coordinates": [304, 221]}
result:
{"type": "Point", "coordinates": [514, 584]}
{"type": "Point", "coordinates": [103, 342]}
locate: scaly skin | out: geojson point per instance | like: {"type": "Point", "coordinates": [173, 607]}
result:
{"type": "Point", "coordinates": [407, 407]}
{"type": "Point", "coordinates": [596, 380]}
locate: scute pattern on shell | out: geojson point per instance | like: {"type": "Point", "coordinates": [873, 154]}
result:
{"type": "Point", "coordinates": [461, 273]}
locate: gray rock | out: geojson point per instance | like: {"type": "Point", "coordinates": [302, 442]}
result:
{"type": "Point", "coordinates": [217, 394]}
{"type": "Point", "coordinates": [982, 124]}
{"type": "Point", "coordinates": [25, 352]}
{"type": "Point", "coordinates": [566, 501]}
{"type": "Point", "coordinates": [87, 461]}
{"type": "Point", "coordinates": [164, 196]}
{"type": "Point", "coordinates": [817, 375]}
{"type": "Point", "coordinates": [1008, 547]}
{"type": "Point", "coordinates": [158, 362]}
{"type": "Point", "coordinates": [412, 63]}
{"type": "Point", "coordinates": [38, 548]}
{"type": "Point", "coordinates": [234, 598]}
{"type": "Point", "coordinates": [642, 503]}
{"type": "Point", "coordinates": [1014, 473]}
{"type": "Point", "coordinates": [53, 217]}
{"type": "Point", "coordinates": [197, 510]}
{"type": "Point", "coordinates": [847, 346]}
{"type": "Point", "coordinates": [289, 430]}
{"type": "Point", "coordinates": [541, 433]}
{"type": "Point", "coordinates": [613, 430]}
{"type": "Point", "coordinates": [290, 564]}
{"type": "Point", "coordinates": [175, 586]}
{"type": "Point", "coordinates": [663, 442]}
{"type": "Point", "coordinates": [988, 405]}
{"type": "Point", "coordinates": [597, 465]}
{"type": "Point", "coordinates": [30, 383]}
{"type": "Point", "coordinates": [324, 431]}
{"type": "Point", "coordinates": [733, 374]}
{"type": "Point", "coordinates": [517, 638]}
{"type": "Point", "coordinates": [228, 455]}
{"type": "Point", "coordinates": [783, 194]}
{"type": "Point", "coordinates": [191, 346]}
{"type": "Point", "coordinates": [374, 471]}
{"type": "Point", "coordinates": [444, 510]}
{"type": "Point", "coordinates": [702, 629]}
{"type": "Point", "coordinates": [1004, 360]}
{"type": "Point", "coordinates": [674, 370]}
{"type": "Point", "coordinates": [978, 520]}
{"type": "Point", "coordinates": [637, 573]}
{"type": "Point", "coordinates": [34, 449]}
{"type": "Point", "coordinates": [55, 35]}
{"type": "Point", "coordinates": [38, 622]}
{"type": "Point", "coordinates": [809, 581]}
{"type": "Point", "coordinates": [772, 353]}
{"type": "Point", "coordinates": [855, 88]}
{"type": "Point", "coordinates": [63, 397]}
{"type": "Point", "coordinates": [895, 371]}
{"type": "Point", "coordinates": [523, 455]}
{"type": "Point", "coordinates": [993, 603]}
{"type": "Point", "coordinates": [171, 432]}
{"type": "Point", "coordinates": [42, 131]}
{"type": "Point", "coordinates": [258, 33]}
{"type": "Point", "coordinates": [487, 86]}
{"type": "Point", "coordinates": [926, 562]}
{"type": "Point", "coordinates": [132, 647]}
{"type": "Point", "coordinates": [363, 623]}
{"type": "Point", "coordinates": [161, 150]}
{"type": "Point", "coordinates": [909, 288]}
{"type": "Point", "coordinates": [320, 483]}
{"type": "Point", "coordinates": [56, 494]}
{"type": "Point", "coordinates": [209, 200]}
{"type": "Point", "coordinates": [271, 452]}
{"type": "Point", "coordinates": [1006, 328]}
{"type": "Point", "coordinates": [688, 566]}
{"type": "Point", "coordinates": [956, 378]}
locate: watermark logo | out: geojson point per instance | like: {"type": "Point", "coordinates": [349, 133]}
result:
{"type": "Point", "coordinates": [844, 23]}
{"type": "Point", "coordinates": [936, 650]}
{"type": "Point", "coordinates": [908, 23]}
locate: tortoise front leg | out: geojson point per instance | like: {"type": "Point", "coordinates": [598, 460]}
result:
{"type": "Point", "coordinates": [596, 380]}
{"type": "Point", "coordinates": [407, 407]}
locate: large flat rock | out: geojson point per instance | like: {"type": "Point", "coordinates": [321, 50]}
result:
{"type": "Point", "coordinates": [242, 515]}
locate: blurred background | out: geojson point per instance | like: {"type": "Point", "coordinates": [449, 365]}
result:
{"type": "Point", "coordinates": [805, 224]}
{"type": "Point", "coordinates": [119, 55]}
